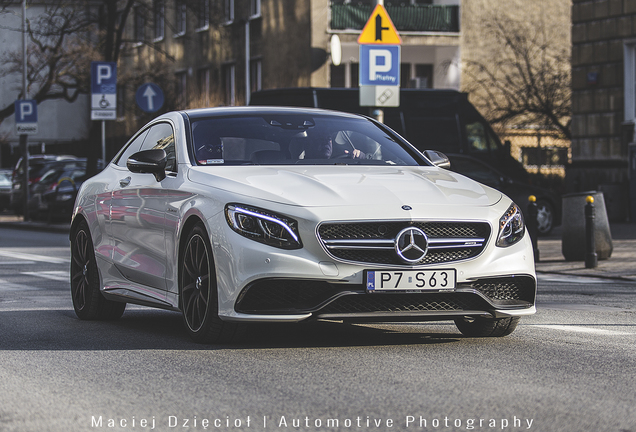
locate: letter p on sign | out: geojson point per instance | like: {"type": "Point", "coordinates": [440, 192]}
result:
{"type": "Point", "coordinates": [379, 61]}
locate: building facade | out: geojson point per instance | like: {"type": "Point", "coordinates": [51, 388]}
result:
{"type": "Point", "coordinates": [603, 100]}
{"type": "Point", "coordinates": [61, 124]}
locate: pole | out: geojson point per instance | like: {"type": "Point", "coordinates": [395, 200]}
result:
{"type": "Point", "coordinates": [248, 88]}
{"type": "Point", "coordinates": [103, 143]}
{"type": "Point", "coordinates": [591, 258]}
{"type": "Point", "coordinates": [23, 138]}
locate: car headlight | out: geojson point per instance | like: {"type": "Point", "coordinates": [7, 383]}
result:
{"type": "Point", "coordinates": [263, 226]}
{"type": "Point", "coordinates": [511, 227]}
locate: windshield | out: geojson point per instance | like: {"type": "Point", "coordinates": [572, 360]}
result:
{"type": "Point", "coordinates": [296, 139]}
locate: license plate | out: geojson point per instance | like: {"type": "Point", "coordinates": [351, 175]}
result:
{"type": "Point", "coordinates": [410, 280]}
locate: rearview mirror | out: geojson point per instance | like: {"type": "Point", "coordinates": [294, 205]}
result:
{"type": "Point", "coordinates": [149, 162]}
{"type": "Point", "coordinates": [438, 159]}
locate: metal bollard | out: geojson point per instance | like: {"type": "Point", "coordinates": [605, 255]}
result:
{"type": "Point", "coordinates": [591, 259]}
{"type": "Point", "coordinates": [533, 224]}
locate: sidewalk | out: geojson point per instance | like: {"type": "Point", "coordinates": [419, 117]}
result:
{"type": "Point", "coordinates": [16, 222]}
{"type": "Point", "coordinates": [620, 266]}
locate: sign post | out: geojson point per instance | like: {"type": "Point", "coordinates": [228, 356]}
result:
{"type": "Point", "coordinates": [379, 61]}
{"type": "Point", "coordinates": [26, 123]}
{"type": "Point", "coordinates": [103, 96]}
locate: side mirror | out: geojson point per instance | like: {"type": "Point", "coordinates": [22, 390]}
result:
{"type": "Point", "coordinates": [439, 159]}
{"type": "Point", "coordinates": [149, 162]}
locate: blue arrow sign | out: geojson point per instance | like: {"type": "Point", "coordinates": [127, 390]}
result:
{"type": "Point", "coordinates": [149, 97]}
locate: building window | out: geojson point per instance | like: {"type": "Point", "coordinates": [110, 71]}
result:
{"type": "Point", "coordinates": [159, 12]}
{"type": "Point", "coordinates": [228, 11]}
{"type": "Point", "coordinates": [140, 24]}
{"type": "Point", "coordinates": [181, 90]}
{"type": "Point", "coordinates": [629, 72]}
{"type": "Point", "coordinates": [338, 74]}
{"type": "Point", "coordinates": [180, 17]}
{"type": "Point", "coordinates": [229, 81]}
{"type": "Point", "coordinates": [423, 76]}
{"type": "Point", "coordinates": [255, 8]}
{"type": "Point", "coordinates": [203, 14]}
{"type": "Point", "coordinates": [256, 73]}
{"type": "Point", "coordinates": [203, 78]}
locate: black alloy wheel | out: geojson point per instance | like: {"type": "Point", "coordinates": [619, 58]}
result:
{"type": "Point", "coordinates": [199, 296]}
{"type": "Point", "coordinates": [88, 301]}
{"type": "Point", "coordinates": [486, 327]}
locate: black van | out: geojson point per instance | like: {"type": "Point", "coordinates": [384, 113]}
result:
{"type": "Point", "coordinates": [429, 119]}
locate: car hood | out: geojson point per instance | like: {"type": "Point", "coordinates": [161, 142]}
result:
{"type": "Point", "coordinates": [320, 186]}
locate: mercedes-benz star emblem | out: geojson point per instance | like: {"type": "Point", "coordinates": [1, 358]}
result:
{"type": "Point", "coordinates": [411, 245]}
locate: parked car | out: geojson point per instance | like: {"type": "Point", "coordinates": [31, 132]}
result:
{"type": "Point", "coordinates": [38, 166]}
{"type": "Point", "coordinates": [5, 189]}
{"type": "Point", "coordinates": [249, 214]}
{"type": "Point", "coordinates": [430, 119]}
{"type": "Point", "coordinates": [548, 203]}
{"type": "Point", "coordinates": [53, 196]}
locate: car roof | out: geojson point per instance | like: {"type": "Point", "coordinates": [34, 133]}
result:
{"type": "Point", "coordinates": [195, 114]}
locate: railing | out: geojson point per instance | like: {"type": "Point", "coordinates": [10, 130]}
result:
{"type": "Point", "coordinates": [413, 18]}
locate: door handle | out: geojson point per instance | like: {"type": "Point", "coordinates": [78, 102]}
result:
{"type": "Point", "coordinates": [124, 182]}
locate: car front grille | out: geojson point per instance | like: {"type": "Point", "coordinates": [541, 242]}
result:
{"type": "Point", "coordinates": [403, 303]}
{"type": "Point", "coordinates": [507, 290]}
{"type": "Point", "coordinates": [374, 242]}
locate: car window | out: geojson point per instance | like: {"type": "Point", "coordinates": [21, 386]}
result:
{"type": "Point", "coordinates": [161, 136]}
{"type": "Point", "coordinates": [296, 139]}
{"type": "Point", "coordinates": [128, 151]}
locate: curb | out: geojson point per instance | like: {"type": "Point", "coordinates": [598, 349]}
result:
{"type": "Point", "coordinates": [36, 226]}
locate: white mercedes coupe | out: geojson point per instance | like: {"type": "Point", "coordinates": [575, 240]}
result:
{"type": "Point", "coordinates": [251, 214]}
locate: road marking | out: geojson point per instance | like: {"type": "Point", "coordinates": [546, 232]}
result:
{"type": "Point", "coordinates": [52, 275]}
{"type": "Point", "coordinates": [574, 279]}
{"type": "Point", "coordinates": [16, 262]}
{"type": "Point", "coordinates": [10, 286]}
{"type": "Point", "coordinates": [580, 329]}
{"type": "Point", "coordinates": [33, 257]}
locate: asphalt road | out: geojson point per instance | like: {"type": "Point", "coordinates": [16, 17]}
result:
{"type": "Point", "coordinates": [571, 367]}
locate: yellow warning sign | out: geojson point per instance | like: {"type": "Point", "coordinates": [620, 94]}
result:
{"type": "Point", "coordinates": [379, 29]}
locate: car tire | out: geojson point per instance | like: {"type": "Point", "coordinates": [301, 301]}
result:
{"type": "Point", "coordinates": [545, 217]}
{"type": "Point", "coordinates": [88, 301]}
{"type": "Point", "coordinates": [486, 327]}
{"type": "Point", "coordinates": [198, 291]}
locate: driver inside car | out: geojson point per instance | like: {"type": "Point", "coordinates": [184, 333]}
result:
{"type": "Point", "coordinates": [321, 146]}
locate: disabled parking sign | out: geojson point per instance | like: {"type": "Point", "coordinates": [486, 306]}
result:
{"type": "Point", "coordinates": [103, 91]}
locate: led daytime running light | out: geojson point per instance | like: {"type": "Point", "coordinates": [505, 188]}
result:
{"type": "Point", "coordinates": [265, 217]}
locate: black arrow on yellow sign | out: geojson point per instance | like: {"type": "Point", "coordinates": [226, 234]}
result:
{"type": "Point", "coordinates": [379, 28]}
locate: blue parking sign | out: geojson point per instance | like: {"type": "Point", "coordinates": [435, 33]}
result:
{"type": "Point", "coordinates": [104, 77]}
{"type": "Point", "coordinates": [26, 116]}
{"type": "Point", "coordinates": [380, 65]}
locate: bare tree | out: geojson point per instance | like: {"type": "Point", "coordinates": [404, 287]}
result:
{"type": "Point", "coordinates": [526, 78]}
{"type": "Point", "coordinates": [57, 61]}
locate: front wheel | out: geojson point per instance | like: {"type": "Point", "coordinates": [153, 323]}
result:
{"type": "Point", "coordinates": [199, 296]}
{"type": "Point", "coordinates": [88, 301]}
{"type": "Point", "coordinates": [486, 327]}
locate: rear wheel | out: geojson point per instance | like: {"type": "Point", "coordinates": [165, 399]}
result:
{"type": "Point", "coordinates": [199, 296]}
{"type": "Point", "coordinates": [88, 301]}
{"type": "Point", "coordinates": [545, 217]}
{"type": "Point", "coordinates": [486, 327]}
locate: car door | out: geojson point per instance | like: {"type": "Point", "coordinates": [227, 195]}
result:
{"type": "Point", "coordinates": [138, 222]}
